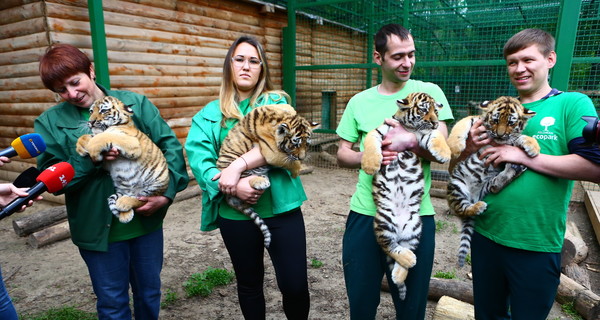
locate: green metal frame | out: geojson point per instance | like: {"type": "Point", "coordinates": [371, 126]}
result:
{"type": "Point", "coordinates": [565, 43]}
{"type": "Point", "coordinates": [96, 14]}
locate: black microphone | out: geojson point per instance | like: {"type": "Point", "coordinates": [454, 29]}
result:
{"type": "Point", "coordinates": [26, 146]}
{"type": "Point", "coordinates": [27, 178]}
{"type": "Point", "coordinates": [53, 179]}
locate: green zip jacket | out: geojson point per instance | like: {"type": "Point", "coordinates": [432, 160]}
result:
{"type": "Point", "coordinates": [90, 219]}
{"type": "Point", "coordinates": [202, 147]}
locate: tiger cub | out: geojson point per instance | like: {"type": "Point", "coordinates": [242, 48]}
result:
{"type": "Point", "coordinates": [283, 138]}
{"type": "Point", "coordinates": [141, 168]}
{"type": "Point", "coordinates": [470, 180]}
{"type": "Point", "coordinates": [398, 187]}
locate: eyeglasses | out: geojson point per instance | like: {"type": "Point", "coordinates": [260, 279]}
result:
{"type": "Point", "coordinates": [239, 61]}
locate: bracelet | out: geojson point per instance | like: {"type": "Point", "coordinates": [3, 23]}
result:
{"type": "Point", "coordinates": [242, 157]}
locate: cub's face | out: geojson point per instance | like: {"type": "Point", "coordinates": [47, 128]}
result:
{"type": "Point", "coordinates": [418, 111]}
{"type": "Point", "coordinates": [505, 117]}
{"type": "Point", "coordinates": [293, 137]}
{"type": "Point", "coordinates": [106, 112]}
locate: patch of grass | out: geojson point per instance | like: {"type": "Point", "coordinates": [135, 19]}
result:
{"type": "Point", "coordinates": [569, 308]}
{"type": "Point", "coordinates": [62, 313]}
{"type": "Point", "coordinates": [445, 275]}
{"type": "Point", "coordinates": [203, 283]}
{"type": "Point", "coordinates": [316, 263]}
{"type": "Point", "coordinates": [468, 259]}
{"type": "Point", "coordinates": [440, 225]}
{"type": "Point", "coordinates": [170, 298]}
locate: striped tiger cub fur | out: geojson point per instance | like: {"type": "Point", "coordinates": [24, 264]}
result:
{"type": "Point", "coordinates": [141, 168]}
{"type": "Point", "coordinates": [470, 180]}
{"type": "Point", "coordinates": [398, 187]}
{"type": "Point", "coordinates": [283, 138]}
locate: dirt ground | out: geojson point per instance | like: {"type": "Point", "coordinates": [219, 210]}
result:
{"type": "Point", "coordinates": [55, 276]}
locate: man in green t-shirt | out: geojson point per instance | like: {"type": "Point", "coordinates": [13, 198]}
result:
{"type": "Point", "coordinates": [518, 239]}
{"type": "Point", "coordinates": [363, 260]}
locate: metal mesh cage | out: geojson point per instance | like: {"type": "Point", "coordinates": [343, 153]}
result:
{"type": "Point", "coordinates": [459, 47]}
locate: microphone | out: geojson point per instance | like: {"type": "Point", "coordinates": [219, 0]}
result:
{"type": "Point", "coordinates": [53, 179]}
{"type": "Point", "coordinates": [27, 178]}
{"type": "Point", "coordinates": [26, 146]}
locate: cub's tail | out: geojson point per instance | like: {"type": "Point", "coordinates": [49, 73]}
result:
{"type": "Point", "coordinates": [260, 223]}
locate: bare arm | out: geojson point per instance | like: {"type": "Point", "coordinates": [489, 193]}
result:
{"type": "Point", "coordinates": [398, 140]}
{"type": "Point", "coordinates": [570, 166]}
{"type": "Point", "coordinates": [346, 156]}
{"type": "Point", "coordinates": [230, 176]}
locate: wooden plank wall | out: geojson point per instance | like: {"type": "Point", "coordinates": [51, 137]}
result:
{"type": "Point", "coordinates": [171, 51]}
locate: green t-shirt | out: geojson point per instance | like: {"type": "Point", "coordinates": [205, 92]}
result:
{"type": "Point", "coordinates": [367, 111]}
{"type": "Point", "coordinates": [531, 212]}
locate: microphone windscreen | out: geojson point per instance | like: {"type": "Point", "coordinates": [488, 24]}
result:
{"type": "Point", "coordinates": [27, 178]}
{"type": "Point", "coordinates": [57, 176]}
{"type": "Point", "coordinates": [29, 145]}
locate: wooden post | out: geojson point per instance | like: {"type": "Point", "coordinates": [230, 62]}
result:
{"type": "Point", "coordinates": [27, 225]}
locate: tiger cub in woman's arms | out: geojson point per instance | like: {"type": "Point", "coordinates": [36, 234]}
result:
{"type": "Point", "coordinates": [398, 187]}
{"type": "Point", "coordinates": [140, 170]}
{"type": "Point", "coordinates": [470, 180]}
{"type": "Point", "coordinates": [283, 138]}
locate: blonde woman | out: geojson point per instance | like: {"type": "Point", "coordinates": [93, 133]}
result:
{"type": "Point", "coordinates": [246, 85]}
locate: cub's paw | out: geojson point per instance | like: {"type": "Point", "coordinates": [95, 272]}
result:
{"type": "Point", "coordinates": [126, 217]}
{"type": "Point", "coordinates": [530, 146]}
{"type": "Point", "coordinates": [97, 150]}
{"type": "Point", "coordinates": [371, 163]}
{"type": "Point", "coordinates": [260, 183]}
{"type": "Point", "coordinates": [475, 209]}
{"type": "Point", "coordinates": [399, 274]}
{"type": "Point", "coordinates": [82, 143]}
{"type": "Point", "coordinates": [406, 258]}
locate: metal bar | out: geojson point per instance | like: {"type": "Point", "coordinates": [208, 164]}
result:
{"type": "Point", "coordinates": [99, 42]}
{"type": "Point", "coordinates": [566, 33]}
{"type": "Point", "coordinates": [289, 54]}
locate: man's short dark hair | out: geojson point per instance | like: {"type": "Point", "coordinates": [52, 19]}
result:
{"type": "Point", "coordinates": [381, 37]}
{"type": "Point", "coordinates": [529, 37]}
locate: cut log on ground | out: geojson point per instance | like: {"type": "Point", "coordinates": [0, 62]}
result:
{"type": "Point", "coordinates": [449, 308]}
{"type": "Point", "coordinates": [578, 274]}
{"type": "Point", "coordinates": [574, 248]}
{"type": "Point", "coordinates": [438, 288]}
{"type": "Point", "coordinates": [29, 224]}
{"type": "Point", "coordinates": [49, 235]}
{"type": "Point", "coordinates": [586, 302]}
{"type": "Point", "coordinates": [456, 289]}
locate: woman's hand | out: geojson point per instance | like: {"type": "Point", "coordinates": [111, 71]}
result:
{"type": "Point", "coordinates": [230, 176]}
{"type": "Point", "coordinates": [246, 193]}
{"type": "Point", "coordinates": [8, 192]}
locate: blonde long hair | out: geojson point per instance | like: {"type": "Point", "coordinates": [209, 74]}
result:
{"type": "Point", "coordinates": [228, 96]}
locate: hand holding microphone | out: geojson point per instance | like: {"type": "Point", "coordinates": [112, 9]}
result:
{"type": "Point", "coordinates": [26, 146]}
{"type": "Point", "coordinates": [53, 179]}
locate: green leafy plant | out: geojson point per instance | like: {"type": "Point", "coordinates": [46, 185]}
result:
{"type": "Point", "coordinates": [62, 313]}
{"type": "Point", "coordinates": [440, 225]}
{"type": "Point", "coordinates": [445, 275]}
{"type": "Point", "coordinates": [569, 308]}
{"type": "Point", "coordinates": [203, 283]}
{"type": "Point", "coordinates": [170, 298]}
{"type": "Point", "coordinates": [316, 263]}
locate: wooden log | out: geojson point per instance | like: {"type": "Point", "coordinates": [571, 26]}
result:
{"type": "Point", "coordinates": [39, 39]}
{"type": "Point", "coordinates": [25, 108]}
{"type": "Point", "coordinates": [29, 224]}
{"type": "Point", "coordinates": [586, 302]}
{"type": "Point", "coordinates": [449, 308]}
{"type": "Point", "coordinates": [22, 28]}
{"type": "Point", "coordinates": [49, 235]}
{"type": "Point", "coordinates": [20, 13]}
{"type": "Point", "coordinates": [574, 248]}
{"type": "Point", "coordinates": [578, 274]}
{"type": "Point", "coordinates": [37, 95]}
{"type": "Point", "coordinates": [457, 289]}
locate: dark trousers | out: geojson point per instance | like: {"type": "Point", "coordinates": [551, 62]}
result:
{"type": "Point", "coordinates": [244, 242]}
{"type": "Point", "coordinates": [504, 278]}
{"type": "Point", "coordinates": [365, 263]}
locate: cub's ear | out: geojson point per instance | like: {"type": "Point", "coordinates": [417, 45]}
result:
{"type": "Point", "coordinates": [283, 129]}
{"type": "Point", "coordinates": [528, 113]}
{"type": "Point", "coordinates": [315, 125]}
{"type": "Point", "coordinates": [484, 105]}
{"type": "Point", "coordinates": [403, 104]}
{"type": "Point", "coordinates": [129, 108]}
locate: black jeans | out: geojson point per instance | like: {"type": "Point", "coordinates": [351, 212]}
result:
{"type": "Point", "coordinates": [244, 242]}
